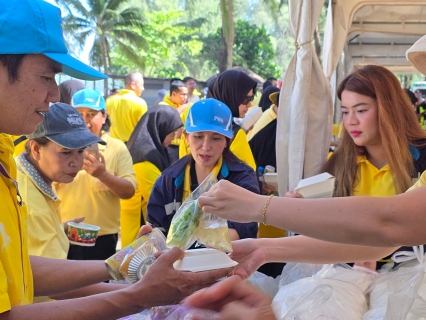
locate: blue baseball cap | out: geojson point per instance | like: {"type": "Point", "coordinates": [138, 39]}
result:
{"type": "Point", "coordinates": [34, 27]}
{"type": "Point", "coordinates": [209, 115]}
{"type": "Point", "coordinates": [88, 98]}
{"type": "Point", "coordinates": [65, 126]}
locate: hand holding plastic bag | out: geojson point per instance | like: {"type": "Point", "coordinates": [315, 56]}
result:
{"type": "Point", "coordinates": [190, 224]}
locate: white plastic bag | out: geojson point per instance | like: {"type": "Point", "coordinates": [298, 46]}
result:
{"type": "Point", "coordinates": [293, 271]}
{"type": "Point", "coordinates": [335, 292]}
{"type": "Point", "coordinates": [401, 293]}
{"type": "Point", "coordinates": [268, 285]}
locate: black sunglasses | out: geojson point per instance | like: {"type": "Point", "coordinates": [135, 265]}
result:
{"type": "Point", "coordinates": [248, 99]}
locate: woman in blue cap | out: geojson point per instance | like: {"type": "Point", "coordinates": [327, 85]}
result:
{"type": "Point", "coordinates": [107, 177]}
{"type": "Point", "coordinates": [208, 129]}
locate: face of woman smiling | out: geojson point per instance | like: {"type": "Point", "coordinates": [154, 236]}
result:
{"type": "Point", "coordinates": [56, 163]}
{"type": "Point", "coordinates": [206, 148]}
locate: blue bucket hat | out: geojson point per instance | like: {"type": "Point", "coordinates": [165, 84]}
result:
{"type": "Point", "coordinates": [34, 27]}
{"type": "Point", "coordinates": [209, 115]}
{"type": "Point", "coordinates": [88, 98]}
{"type": "Point", "coordinates": [65, 126]}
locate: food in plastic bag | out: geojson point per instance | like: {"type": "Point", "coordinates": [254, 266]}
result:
{"type": "Point", "coordinates": [335, 292]}
{"type": "Point", "coordinates": [190, 224]}
{"type": "Point", "coordinates": [114, 262]}
{"type": "Point", "coordinates": [401, 293]}
{"type": "Point", "coordinates": [213, 232]}
{"type": "Point", "coordinates": [184, 223]}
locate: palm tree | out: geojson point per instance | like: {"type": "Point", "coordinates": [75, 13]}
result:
{"type": "Point", "coordinates": [113, 23]}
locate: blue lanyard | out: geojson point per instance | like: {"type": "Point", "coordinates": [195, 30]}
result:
{"type": "Point", "coordinates": [6, 174]}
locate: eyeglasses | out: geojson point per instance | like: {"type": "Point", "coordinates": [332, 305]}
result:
{"type": "Point", "coordinates": [248, 99]}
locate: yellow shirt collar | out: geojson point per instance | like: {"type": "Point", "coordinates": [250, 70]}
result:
{"type": "Point", "coordinates": [187, 180]}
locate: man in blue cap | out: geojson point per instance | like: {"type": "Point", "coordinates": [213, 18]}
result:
{"type": "Point", "coordinates": [32, 52]}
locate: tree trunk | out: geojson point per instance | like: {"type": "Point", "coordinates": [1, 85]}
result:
{"type": "Point", "coordinates": [227, 39]}
{"type": "Point", "coordinates": [223, 53]}
{"type": "Point", "coordinates": [105, 63]}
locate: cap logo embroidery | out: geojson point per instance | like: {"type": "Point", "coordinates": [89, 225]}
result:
{"type": "Point", "coordinates": [74, 119]}
{"type": "Point", "coordinates": [221, 120]}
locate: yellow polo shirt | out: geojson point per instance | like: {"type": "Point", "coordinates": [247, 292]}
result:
{"type": "Point", "coordinates": [125, 110]}
{"type": "Point", "coordinates": [420, 183]}
{"type": "Point", "coordinates": [371, 181]}
{"type": "Point", "coordinates": [87, 196]}
{"type": "Point", "coordinates": [130, 216]}
{"type": "Point", "coordinates": [16, 280]}
{"type": "Point", "coordinates": [267, 117]}
{"type": "Point", "coordinates": [45, 229]}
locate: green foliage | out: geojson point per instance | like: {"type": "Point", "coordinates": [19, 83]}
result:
{"type": "Point", "coordinates": [253, 49]}
{"type": "Point", "coordinates": [168, 39]}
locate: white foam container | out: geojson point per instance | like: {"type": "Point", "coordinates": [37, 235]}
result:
{"type": "Point", "coordinates": [204, 259]}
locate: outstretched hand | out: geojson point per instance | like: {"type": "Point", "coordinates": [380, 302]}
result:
{"type": "Point", "coordinates": [234, 299]}
{"type": "Point", "coordinates": [249, 255]}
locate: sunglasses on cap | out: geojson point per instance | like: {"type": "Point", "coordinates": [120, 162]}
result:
{"type": "Point", "coordinates": [248, 99]}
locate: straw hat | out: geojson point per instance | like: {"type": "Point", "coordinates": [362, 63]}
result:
{"type": "Point", "coordinates": [416, 54]}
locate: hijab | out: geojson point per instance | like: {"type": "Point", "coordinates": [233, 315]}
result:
{"type": "Point", "coordinates": [231, 87]}
{"type": "Point", "coordinates": [263, 145]}
{"type": "Point", "coordinates": [68, 88]}
{"type": "Point", "coordinates": [265, 102]}
{"type": "Point", "coordinates": [145, 143]}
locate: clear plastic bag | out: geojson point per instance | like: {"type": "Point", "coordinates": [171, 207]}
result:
{"type": "Point", "coordinates": [265, 283]}
{"type": "Point", "coordinates": [335, 292]}
{"type": "Point", "coordinates": [295, 271]}
{"type": "Point", "coordinates": [136, 262]}
{"type": "Point", "coordinates": [401, 293]}
{"type": "Point", "coordinates": [190, 224]}
{"type": "Point", "coordinates": [173, 312]}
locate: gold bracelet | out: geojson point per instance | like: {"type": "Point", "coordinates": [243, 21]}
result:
{"type": "Point", "coordinates": [264, 209]}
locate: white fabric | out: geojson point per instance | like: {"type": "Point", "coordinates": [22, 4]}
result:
{"type": "Point", "coordinates": [305, 113]}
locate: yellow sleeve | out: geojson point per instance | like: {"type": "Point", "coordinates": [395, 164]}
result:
{"type": "Point", "coordinates": [241, 149]}
{"type": "Point", "coordinates": [130, 215]}
{"type": "Point", "coordinates": [146, 175]}
{"type": "Point", "coordinates": [43, 239]}
{"type": "Point", "coordinates": [5, 304]}
{"type": "Point", "coordinates": [420, 183]}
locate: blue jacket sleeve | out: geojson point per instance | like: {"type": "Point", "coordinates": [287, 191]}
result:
{"type": "Point", "coordinates": [156, 207]}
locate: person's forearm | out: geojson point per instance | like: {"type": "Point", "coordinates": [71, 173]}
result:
{"type": "Point", "coordinates": [308, 250]}
{"type": "Point", "coordinates": [104, 306]}
{"type": "Point", "coordinates": [49, 278]}
{"type": "Point", "coordinates": [370, 221]}
{"type": "Point", "coordinates": [120, 187]}
{"type": "Point", "coordinates": [90, 290]}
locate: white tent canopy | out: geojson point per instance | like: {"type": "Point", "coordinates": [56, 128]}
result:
{"type": "Point", "coordinates": [357, 32]}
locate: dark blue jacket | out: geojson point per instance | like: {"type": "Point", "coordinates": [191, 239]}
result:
{"type": "Point", "coordinates": [166, 195]}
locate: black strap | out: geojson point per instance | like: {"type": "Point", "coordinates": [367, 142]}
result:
{"type": "Point", "coordinates": [19, 140]}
